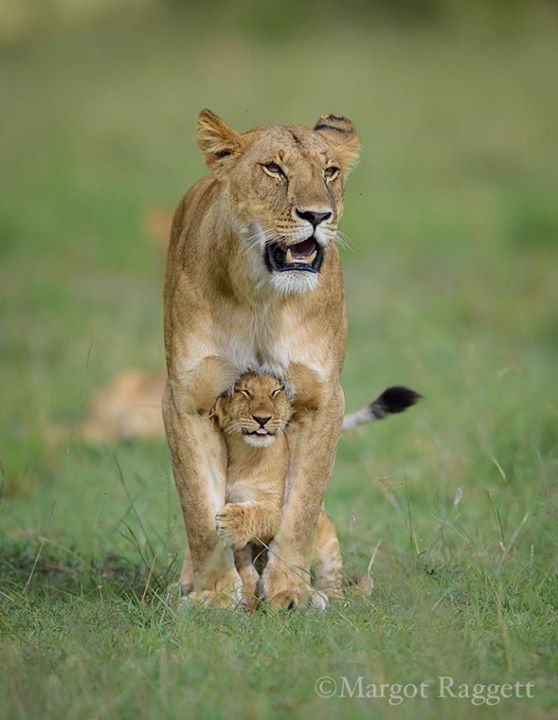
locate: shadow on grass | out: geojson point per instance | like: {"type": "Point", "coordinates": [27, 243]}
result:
{"type": "Point", "coordinates": [43, 568]}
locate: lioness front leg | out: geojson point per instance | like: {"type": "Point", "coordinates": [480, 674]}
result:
{"type": "Point", "coordinates": [312, 445]}
{"type": "Point", "coordinates": [239, 523]}
{"type": "Point", "coordinates": [327, 564]}
{"type": "Point", "coordinates": [199, 462]}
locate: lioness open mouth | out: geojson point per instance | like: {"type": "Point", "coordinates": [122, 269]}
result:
{"type": "Point", "coordinates": [306, 256]}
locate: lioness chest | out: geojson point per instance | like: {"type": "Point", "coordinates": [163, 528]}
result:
{"type": "Point", "coordinates": [267, 340]}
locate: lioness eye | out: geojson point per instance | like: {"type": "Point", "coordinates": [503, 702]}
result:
{"type": "Point", "coordinates": [272, 169]}
{"type": "Point", "coordinates": [331, 172]}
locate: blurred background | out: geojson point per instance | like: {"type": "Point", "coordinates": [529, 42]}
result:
{"type": "Point", "coordinates": [447, 514]}
{"type": "Point", "coordinates": [451, 214]}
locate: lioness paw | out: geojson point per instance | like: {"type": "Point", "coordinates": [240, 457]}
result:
{"type": "Point", "coordinates": [233, 526]}
{"type": "Point", "coordinates": [286, 600]}
{"type": "Point", "coordinates": [225, 593]}
{"type": "Point", "coordinates": [214, 599]}
{"type": "Point", "coordinates": [286, 589]}
{"type": "Point", "coordinates": [293, 600]}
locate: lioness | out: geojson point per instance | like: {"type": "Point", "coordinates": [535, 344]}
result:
{"type": "Point", "coordinates": [254, 280]}
{"type": "Point", "coordinates": [254, 417]}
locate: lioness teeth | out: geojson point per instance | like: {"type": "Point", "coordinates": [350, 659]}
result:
{"type": "Point", "coordinates": [307, 260]}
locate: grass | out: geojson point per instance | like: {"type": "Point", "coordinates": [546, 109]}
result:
{"type": "Point", "coordinates": [451, 289]}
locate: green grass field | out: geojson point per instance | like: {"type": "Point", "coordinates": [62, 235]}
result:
{"type": "Point", "coordinates": [452, 288]}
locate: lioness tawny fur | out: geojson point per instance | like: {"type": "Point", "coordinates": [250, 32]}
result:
{"type": "Point", "coordinates": [254, 280]}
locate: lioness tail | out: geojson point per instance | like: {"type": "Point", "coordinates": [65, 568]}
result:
{"type": "Point", "coordinates": [393, 400]}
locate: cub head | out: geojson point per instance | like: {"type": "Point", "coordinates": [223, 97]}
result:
{"type": "Point", "coordinates": [257, 409]}
{"type": "Point", "coordinates": [285, 187]}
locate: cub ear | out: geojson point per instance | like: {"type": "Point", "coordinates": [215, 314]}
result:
{"type": "Point", "coordinates": [216, 411]}
{"type": "Point", "coordinates": [340, 134]}
{"type": "Point", "coordinates": [217, 140]}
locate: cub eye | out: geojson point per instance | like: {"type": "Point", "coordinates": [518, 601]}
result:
{"type": "Point", "coordinates": [273, 169]}
{"type": "Point", "coordinates": [331, 172]}
{"type": "Point", "coordinates": [246, 393]}
{"type": "Point", "coordinates": [278, 390]}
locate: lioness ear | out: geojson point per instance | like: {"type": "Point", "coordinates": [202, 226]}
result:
{"type": "Point", "coordinates": [217, 141]}
{"type": "Point", "coordinates": [340, 134]}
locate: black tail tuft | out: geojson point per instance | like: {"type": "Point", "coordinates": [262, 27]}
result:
{"type": "Point", "coordinates": [397, 399]}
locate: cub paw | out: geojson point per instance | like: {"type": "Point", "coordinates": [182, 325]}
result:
{"type": "Point", "coordinates": [251, 600]}
{"type": "Point", "coordinates": [232, 523]}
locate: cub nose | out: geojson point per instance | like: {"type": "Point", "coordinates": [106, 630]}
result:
{"type": "Point", "coordinates": [313, 216]}
{"type": "Point", "coordinates": [261, 420]}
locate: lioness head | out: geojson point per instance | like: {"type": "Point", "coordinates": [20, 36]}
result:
{"type": "Point", "coordinates": [285, 188]}
{"type": "Point", "coordinates": [257, 409]}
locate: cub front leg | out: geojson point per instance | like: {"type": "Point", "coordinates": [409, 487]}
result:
{"type": "Point", "coordinates": [312, 444]}
{"type": "Point", "coordinates": [249, 576]}
{"type": "Point", "coordinates": [199, 461]}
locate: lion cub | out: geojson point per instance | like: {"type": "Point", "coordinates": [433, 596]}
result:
{"type": "Point", "coordinates": [254, 419]}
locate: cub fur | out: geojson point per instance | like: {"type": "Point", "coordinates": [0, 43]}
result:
{"type": "Point", "coordinates": [254, 418]}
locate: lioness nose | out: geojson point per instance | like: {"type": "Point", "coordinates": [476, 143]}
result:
{"type": "Point", "coordinates": [314, 217]}
{"type": "Point", "coordinates": [261, 420]}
